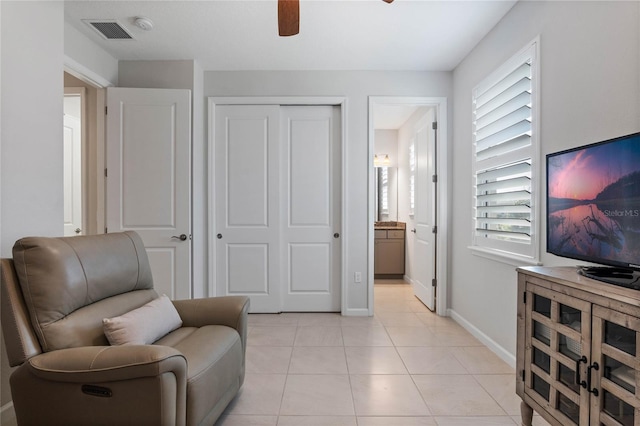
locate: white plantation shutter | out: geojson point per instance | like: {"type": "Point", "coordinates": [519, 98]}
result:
{"type": "Point", "coordinates": [504, 158]}
{"type": "Point", "coordinates": [412, 177]}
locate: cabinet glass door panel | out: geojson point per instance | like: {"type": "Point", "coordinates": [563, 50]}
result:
{"type": "Point", "coordinates": [620, 374]}
{"type": "Point", "coordinates": [541, 386]}
{"type": "Point", "coordinates": [569, 347]}
{"type": "Point", "coordinates": [567, 376]}
{"type": "Point", "coordinates": [570, 316]}
{"type": "Point", "coordinates": [558, 325]}
{"type": "Point", "coordinates": [542, 333]}
{"type": "Point", "coordinates": [542, 305]}
{"type": "Point", "coordinates": [615, 349]}
{"type": "Point", "coordinates": [620, 337]}
{"type": "Point", "coordinates": [617, 409]}
{"type": "Point", "coordinates": [542, 360]}
{"type": "Point", "coordinates": [569, 408]}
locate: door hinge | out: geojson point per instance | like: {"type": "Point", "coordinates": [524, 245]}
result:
{"type": "Point", "coordinates": [434, 125]}
{"type": "Point", "coordinates": [105, 173]}
{"type": "Point", "coordinates": [105, 110]}
{"type": "Point", "coordinates": [434, 178]}
{"type": "Point", "coordinates": [522, 373]}
{"type": "Point", "coordinates": [105, 230]}
{"type": "Point", "coordinates": [434, 229]}
{"type": "Point", "coordinates": [524, 298]}
{"type": "Point", "coordinates": [434, 282]}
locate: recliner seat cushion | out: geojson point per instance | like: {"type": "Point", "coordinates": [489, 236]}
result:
{"type": "Point", "coordinates": [214, 358]}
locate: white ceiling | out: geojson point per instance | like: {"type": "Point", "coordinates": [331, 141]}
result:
{"type": "Point", "coordinates": [423, 35]}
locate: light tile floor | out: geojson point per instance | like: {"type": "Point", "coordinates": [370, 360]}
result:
{"type": "Point", "coordinates": [405, 366]}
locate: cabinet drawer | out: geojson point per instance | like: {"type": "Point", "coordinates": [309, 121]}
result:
{"type": "Point", "coordinates": [395, 234]}
{"type": "Point", "coordinates": [381, 233]}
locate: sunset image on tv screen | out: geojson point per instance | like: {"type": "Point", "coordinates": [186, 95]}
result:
{"type": "Point", "coordinates": [593, 201]}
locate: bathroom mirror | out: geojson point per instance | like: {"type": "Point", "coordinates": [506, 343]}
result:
{"type": "Point", "coordinates": [386, 188]}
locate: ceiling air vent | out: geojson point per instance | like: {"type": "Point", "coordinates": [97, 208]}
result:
{"type": "Point", "coordinates": [110, 30]}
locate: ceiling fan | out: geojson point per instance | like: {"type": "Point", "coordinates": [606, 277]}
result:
{"type": "Point", "coordinates": [289, 17]}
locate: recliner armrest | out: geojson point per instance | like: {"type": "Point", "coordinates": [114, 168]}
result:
{"type": "Point", "coordinates": [108, 363]}
{"type": "Point", "coordinates": [231, 311]}
{"type": "Point", "coordinates": [225, 310]}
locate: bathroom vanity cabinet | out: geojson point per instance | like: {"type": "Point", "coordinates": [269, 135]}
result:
{"type": "Point", "coordinates": [389, 251]}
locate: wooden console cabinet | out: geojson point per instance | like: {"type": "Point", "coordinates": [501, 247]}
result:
{"type": "Point", "coordinates": [577, 349]}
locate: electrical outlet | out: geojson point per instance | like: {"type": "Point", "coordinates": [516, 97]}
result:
{"type": "Point", "coordinates": [357, 277]}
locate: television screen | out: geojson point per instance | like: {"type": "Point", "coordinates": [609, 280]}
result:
{"type": "Point", "coordinates": [593, 202]}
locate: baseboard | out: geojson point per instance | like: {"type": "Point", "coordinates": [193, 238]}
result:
{"type": "Point", "coordinates": [505, 355]}
{"type": "Point", "coordinates": [356, 313]}
{"type": "Point", "coordinates": [8, 415]}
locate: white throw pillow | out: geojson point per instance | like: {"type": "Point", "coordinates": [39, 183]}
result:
{"type": "Point", "coordinates": [143, 325]}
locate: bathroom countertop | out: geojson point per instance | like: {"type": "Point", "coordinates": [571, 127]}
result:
{"type": "Point", "coordinates": [390, 225]}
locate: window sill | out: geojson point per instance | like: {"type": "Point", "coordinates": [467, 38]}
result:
{"type": "Point", "coordinates": [504, 257]}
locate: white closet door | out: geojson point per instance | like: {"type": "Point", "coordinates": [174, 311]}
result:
{"type": "Point", "coordinates": [311, 208]}
{"type": "Point", "coordinates": [247, 203]}
{"type": "Point", "coordinates": [277, 206]}
{"type": "Point", "coordinates": [425, 208]}
{"type": "Point", "coordinates": [149, 178]}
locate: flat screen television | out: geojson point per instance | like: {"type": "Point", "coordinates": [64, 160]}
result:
{"type": "Point", "coordinates": [593, 208]}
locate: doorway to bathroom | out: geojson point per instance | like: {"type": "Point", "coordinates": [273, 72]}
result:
{"type": "Point", "coordinates": [407, 197]}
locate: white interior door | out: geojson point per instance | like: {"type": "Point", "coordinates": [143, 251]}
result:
{"type": "Point", "coordinates": [72, 153]}
{"type": "Point", "coordinates": [247, 203]}
{"type": "Point", "coordinates": [425, 216]}
{"type": "Point", "coordinates": [311, 208]}
{"type": "Point", "coordinates": [148, 179]}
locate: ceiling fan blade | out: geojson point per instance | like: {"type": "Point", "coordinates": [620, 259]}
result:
{"type": "Point", "coordinates": [388, 1]}
{"type": "Point", "coordinates": [288, 17]}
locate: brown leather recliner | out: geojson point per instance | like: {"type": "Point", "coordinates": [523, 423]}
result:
{"type": "Point", "coordinates": [55, 294]}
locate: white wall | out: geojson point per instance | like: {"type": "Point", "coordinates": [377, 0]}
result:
{"type": "Point", "coordinates": [589, 91]}
{"type": "Point", "coordinates": [356, 86]}
{"type": "Point", "coordinates": [386, 142]}
{"type": "Point", "coordinates": [31, 166]}
{"type": "Point", "coordinates": [82, 56]}
{"type": "Point", "coordinates": [32, 98]}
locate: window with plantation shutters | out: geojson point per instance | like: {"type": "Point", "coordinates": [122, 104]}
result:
{"type": "Point", "coordinates": [412, 177]}
{"type": "Point", "coordinates": [504, 158]}
{"type": "Point", "coordinates": [384, 189]}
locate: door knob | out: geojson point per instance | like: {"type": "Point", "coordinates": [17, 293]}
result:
{"type": "Point", "coordinates": [336, 235]}
{"type": "Point", "coordinates": [78, 230]}
{"type": "Point", "coordinates": [413, 230]}
{"type": "Point", "coordinates": [182, 237]}
{"type": "Point", "coordinates": [219, 236]}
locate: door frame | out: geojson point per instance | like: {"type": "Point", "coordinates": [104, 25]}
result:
{"type": "Point", "coordinates": [442, 162]}
{"type": "Point", "coordinates": [276, 100]}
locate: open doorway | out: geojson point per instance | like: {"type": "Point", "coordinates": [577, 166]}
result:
{"type": "Point", "coordinates": [74, 141]}
{"type": "Point", "coordinates": [407, 146]}
{"type": "Point", "coordinates": [84, 156]}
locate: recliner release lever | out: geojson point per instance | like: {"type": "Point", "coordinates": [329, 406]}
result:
{"type": "Point", "coordinates": [94, 390]}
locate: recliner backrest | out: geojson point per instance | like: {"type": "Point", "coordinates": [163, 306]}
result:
{"type": "Point", "coordinates": [20, 339]}
{"type": "Point", "coordinates": [69, 284]}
